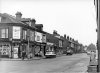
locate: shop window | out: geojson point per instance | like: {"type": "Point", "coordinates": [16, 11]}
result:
{"type": "Point", "coordinates": [5, 49]}
{"type": "Point", "coordinates": [4, 33]}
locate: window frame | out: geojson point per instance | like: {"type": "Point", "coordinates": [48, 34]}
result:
{"type": "Point", "coordinates": [4, 33]}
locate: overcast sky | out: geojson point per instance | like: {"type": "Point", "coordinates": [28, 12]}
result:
{"type": "Point", "coordinates": [75, 18]}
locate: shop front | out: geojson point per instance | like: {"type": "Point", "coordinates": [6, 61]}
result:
{"type": "Point", "coordinates": [5, 50]}
{"type": "Point", "coordinates": [16, 45]}
{"type": "Point", "coordinates": [40, 46]}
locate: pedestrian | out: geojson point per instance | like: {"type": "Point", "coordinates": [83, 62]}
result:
{"type": "Point", "coordinates": [23, 54]}
{"type": "Point", "coordinates": [92, 56]}
{"type": "Point", "coordinates": [42, 54]}
{"type": "Point", "coordinates": [30, 55]}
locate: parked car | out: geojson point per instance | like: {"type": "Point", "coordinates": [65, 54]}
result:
{"type": "Point", "coordinates": [69, 52]}
{"type": "Point", "coordinates": [88, 52]}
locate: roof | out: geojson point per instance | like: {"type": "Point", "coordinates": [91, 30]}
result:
{"type": "Point", "coordinates": [12, 18]}
{"type": "Point", "coordinates": [22, 21]}
{"type": "Point", "coordinates": [40, 25]}
{"type": "Point", "coordinates": [26, 19]}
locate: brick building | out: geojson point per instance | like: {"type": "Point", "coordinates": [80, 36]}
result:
{"type": "Point", "coordinates": [17, 34]}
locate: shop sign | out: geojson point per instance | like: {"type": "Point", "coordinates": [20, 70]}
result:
{"type": "Point", "coordinates": [16, 32]}
{"type": "Point", "coordinates": [48, 43]}
{"type": "Point", "coordinates": [57, 36]}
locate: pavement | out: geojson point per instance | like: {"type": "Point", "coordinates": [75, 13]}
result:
{"type": "Point", "coordinates": [92, 67]}
{"type": "Point", "coordinates": [18, 59]}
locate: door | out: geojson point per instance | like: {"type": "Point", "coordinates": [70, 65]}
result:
{"type": "Point", "coordinates": [15, 52]}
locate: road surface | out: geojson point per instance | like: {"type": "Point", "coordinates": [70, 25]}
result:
{"type": "Point", "coordinates": [76, 63]}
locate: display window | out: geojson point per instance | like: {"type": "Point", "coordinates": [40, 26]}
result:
{"type": "Point", "coordinates": [5, 49]}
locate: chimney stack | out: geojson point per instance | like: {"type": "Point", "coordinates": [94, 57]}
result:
{"type": "Point", "coordinates": [33, 21]}
{"type": "Point", "coordinates": [18, 15]}
{"type": "Point", "coordinates": [65, 36]}
{"type": "Point", "coordinates": [55, 32]}
{"type": "Point", "coordinates": [68, 37]}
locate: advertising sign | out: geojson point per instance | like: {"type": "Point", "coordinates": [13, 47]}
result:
{"type": "Point", "coordinates": [16, 32]}
{"type": "Point", "coordinates": [38, 37]}
{"type": "Point", "coordinates": [48, 43]}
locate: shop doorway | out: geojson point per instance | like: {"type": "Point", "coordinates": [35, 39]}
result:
{"type": "Point", "coordinates": [15, 50]}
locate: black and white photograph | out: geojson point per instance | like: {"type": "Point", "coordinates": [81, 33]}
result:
{"type": "Point", "coordinates": [49, 36]}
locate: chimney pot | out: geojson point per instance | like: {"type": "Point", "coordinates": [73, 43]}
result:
{"type": "Point", "coordinates": [65, 36]}
{"type": "Point", "coordinates": [18, 15]}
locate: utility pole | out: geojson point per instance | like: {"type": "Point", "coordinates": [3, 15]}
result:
{"type": "Point", "coordinates": [97, 5]}
{"type": "Point", "coordinates": [28, 39]}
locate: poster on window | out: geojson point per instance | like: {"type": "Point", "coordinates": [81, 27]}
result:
{"type": "Point", "coordinates": [16, 32]}
{"type": "Point", "coordinates": [15, 52]}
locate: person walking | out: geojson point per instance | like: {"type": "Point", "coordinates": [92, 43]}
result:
{"type": "Point", "coordinates": [23, 54]}
{"type": "Point", "coordinates": [92, 56]}
{"type": "Point", "coordinates": [42, 54]}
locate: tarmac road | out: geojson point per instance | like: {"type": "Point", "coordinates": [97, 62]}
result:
{"type": "Point", "coordinates": [76, 63]}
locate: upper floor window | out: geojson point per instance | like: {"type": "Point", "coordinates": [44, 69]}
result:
{"type": "Point", "coordinates": [0, 19]}
{"type": "Point", "coordinates": [32, 35]}
{"type": "Point", "coordinates": [60, 43]}
{"type": "Point", "coordinates": [72, 45]}
{"type": "Point", "coordinates": [38, 38]}
{"type": "Point", "coordinates": [44, 38]}
{"type": "Point", "coordinates": [24, 34]}
{"type": "Point", "coordinates": [4, 33]}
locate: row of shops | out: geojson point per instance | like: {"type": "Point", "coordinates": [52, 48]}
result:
{"type": "Point", "coordinates": [14, 50]}
{"type": "Point", "coordinates": [18, 34]}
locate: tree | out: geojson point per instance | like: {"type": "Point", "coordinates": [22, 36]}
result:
{"type": "Point", "coordinates": [91, 47]}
